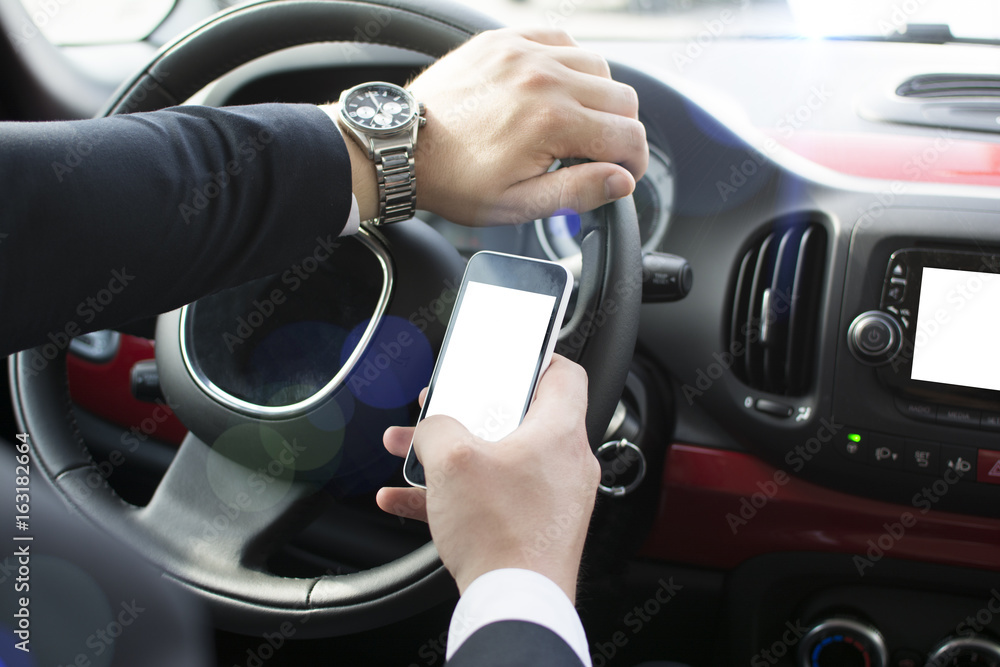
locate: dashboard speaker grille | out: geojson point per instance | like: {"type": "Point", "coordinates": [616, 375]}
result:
{"type": "Point", "coordinates": [775, 307]}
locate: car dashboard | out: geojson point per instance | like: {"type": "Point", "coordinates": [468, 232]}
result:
{"type": "Point", "coordinates": [818, 472]}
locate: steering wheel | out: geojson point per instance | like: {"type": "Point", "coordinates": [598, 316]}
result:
{"type": "Point", "coordinates": [228, 572]}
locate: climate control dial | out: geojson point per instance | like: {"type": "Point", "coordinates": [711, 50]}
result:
{"type": "Point", "coordinates": [842, 642]}
{"type": "Point", "coordinates": [965, 651]}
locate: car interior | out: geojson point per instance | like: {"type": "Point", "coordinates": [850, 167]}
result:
{"type": "Point", "coordinates": [800, 452]}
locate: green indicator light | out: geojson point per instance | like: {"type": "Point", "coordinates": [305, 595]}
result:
{"type": "Point", "coordinates": [854, 437]}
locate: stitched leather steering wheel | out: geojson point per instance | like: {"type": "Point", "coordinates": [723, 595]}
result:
{"type": "Point", "coordinates": [228, 573]}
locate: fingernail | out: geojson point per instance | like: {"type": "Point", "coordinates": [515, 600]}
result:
{"type": "Point", "coordinates": [616, 186]}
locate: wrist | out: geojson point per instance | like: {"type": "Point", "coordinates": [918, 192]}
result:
{"type": "Point", "coordinates": [363, 180]}
{"type": "Point", "coordinates": [563, 575]}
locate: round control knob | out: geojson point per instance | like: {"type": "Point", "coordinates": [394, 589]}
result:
{"type": "Point", "coordinates": [962, 651]}
{"type": "Point", "coordinates": [842, 642]}
{"type": "Point", "coordinates": [874, 338]}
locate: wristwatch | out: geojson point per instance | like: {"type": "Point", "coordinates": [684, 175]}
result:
{"type": "Point", "coordinates": [383, 118]}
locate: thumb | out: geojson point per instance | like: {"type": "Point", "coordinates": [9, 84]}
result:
{"type": "Point", "coordinates": [444, 447]}
{"type": "Point", "coordinates": [581, 187]}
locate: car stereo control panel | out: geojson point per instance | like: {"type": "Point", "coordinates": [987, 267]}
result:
{"type": "Point", "coordinates": [917, 380]}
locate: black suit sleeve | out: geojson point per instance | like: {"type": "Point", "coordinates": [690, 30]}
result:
{"type": "Point", "coordinates": [514, 644]}
{"type": "Point", "coordinates": [109, 220]}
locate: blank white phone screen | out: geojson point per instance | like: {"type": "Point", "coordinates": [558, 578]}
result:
{"type": "Point", "coordinates": [957, 324]}
{"type": "Point", "coordinates": [486, 373]}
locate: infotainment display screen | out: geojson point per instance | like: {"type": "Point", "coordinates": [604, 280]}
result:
{"type": "Point", "coordinates": [957, 338]}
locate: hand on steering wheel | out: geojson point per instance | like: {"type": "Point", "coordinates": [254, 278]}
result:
{"type": "Point", "coordinates": [229, 572]}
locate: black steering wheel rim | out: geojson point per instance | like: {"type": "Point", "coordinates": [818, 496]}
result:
{"type": "Point", "coordinates": [600, 337]}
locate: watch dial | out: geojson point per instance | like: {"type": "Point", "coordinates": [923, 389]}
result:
{"type": "Point", "coordinates": [378, 107]}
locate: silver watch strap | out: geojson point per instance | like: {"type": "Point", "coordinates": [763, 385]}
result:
{"type": "Point", "coordinates": [397, 185]}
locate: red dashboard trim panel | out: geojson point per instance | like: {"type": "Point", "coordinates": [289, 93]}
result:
{"type": "Point", "coordinates": [105, 390]}
{"type": "Point", "coordinates": [719, 508]}
{"type": "Point", "coordinates": [940, 158]}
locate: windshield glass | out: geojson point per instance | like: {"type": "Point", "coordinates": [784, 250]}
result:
{"type": "Point", "coordinates": [101, 21]}
{"type": "Point", "coordinates": [683, 19]}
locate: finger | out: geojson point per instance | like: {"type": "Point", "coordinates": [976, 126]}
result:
{"type": "Point", "coordinates": [444, 446]}
{"type": "Point", "coordinates": [550, 36]}
{"type": "Point", "coordinates": [406, 503]}
{"type": "Point", "coordinates": [397, 440]}
{"type": "Point", "coordinates": [580, 188]}
{"type": "Point", "coordinates": [581, 60]}
{"type": "Point", "coordinates": [604, 137]}
{"type": "Point", "coordinates": [603, 95]}
{"type": "Point", "coordinates": [561, 393]}
{"type": "Point", "coordinates": [423, 396]}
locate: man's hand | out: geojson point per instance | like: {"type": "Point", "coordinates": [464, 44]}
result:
{"type": "Point", "coordinates": [502, 107]}
{"type": "Point", "coordinates": [523, 502]}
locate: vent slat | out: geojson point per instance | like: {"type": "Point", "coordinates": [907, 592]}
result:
{"type": "Point", "coordinates": [779, 280]}
{"type": "Point", "coordinates": [781, 292]}
{"type": "Point", "coordinates": [741, 297]}
{"type": "Point", "coordinates": [761, 280]}
{"type": "Point", "coordinates": [804, 307]}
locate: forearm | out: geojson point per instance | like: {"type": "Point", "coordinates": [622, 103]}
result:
{"type": "Point", "coordinates": [110, 220]}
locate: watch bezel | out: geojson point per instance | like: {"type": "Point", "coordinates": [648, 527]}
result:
{"type": "Point", "coordinates": [414, 114]}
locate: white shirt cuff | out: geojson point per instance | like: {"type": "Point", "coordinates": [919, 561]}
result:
{"type": "Point", "coordinates": [353, 220]}
{"type": "Point", "coordinates": [516, 595]}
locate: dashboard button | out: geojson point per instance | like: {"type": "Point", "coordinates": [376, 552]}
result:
{"type": "Point", "coordinates": [853, 444]}
{"type": "Point", "coordinates": [923, 457]}
{"type": "Point", "coordinates": [990, 421]}
{"type": "Point", "coordinates": [921, 411]}
{"type": "Point", "coordinates": [874, 337]}
{"type": "Point", "coordinates": [773, 408]}
{"type": "Point", "coordinates": [960, 459]}
{"type": "Point", "coordinates": [989, 467]}
{"type": "Point", "coordinates": [899, 270]}
{"type": "Point", "coordinates": [957, 416]}
{"type": "Point", "coordinates": [887, 451]}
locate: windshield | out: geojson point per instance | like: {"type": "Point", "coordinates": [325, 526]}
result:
{"type": "Point", "coordinates": [683, 19]}
{"type": "Point", "coordinates": [101, 21]}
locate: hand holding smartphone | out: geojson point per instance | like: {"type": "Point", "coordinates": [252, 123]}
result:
{"type": "Point", "coordinates": [499, 341]}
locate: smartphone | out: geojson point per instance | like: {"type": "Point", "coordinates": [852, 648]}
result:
{"type": "Point", "coordinates": [498, 343]}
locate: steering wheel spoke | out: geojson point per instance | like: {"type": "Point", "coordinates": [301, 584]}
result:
{"type": "Point", "coordinates": [229, 512]}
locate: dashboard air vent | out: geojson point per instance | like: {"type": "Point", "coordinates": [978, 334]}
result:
{"type": "Point", "coordinates": [950, 85]}
{"type": "Point", "coordinates": [775, 308]}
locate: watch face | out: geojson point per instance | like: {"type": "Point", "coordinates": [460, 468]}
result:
{"type": "Point", "coordinates": [378, 107]}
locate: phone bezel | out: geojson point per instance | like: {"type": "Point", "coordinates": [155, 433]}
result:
{"type": "Point", "coordinates": [513, 272]}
